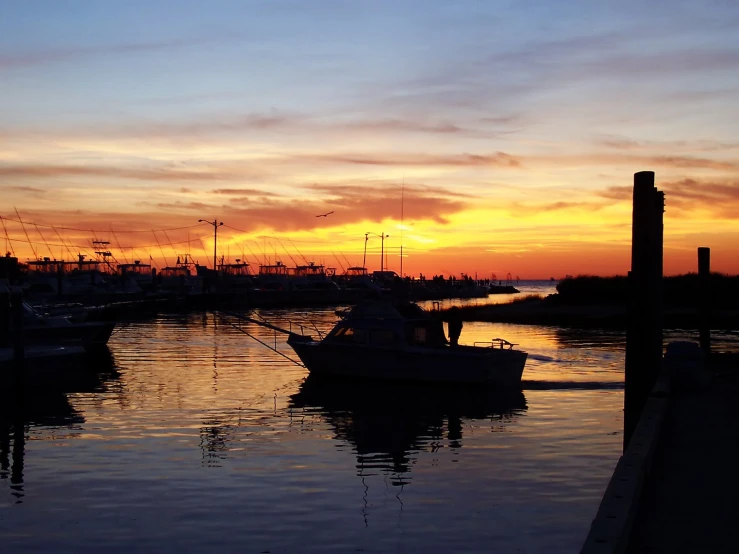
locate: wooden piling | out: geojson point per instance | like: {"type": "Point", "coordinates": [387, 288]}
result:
{"type": "Point", "coordinates": [16, 324]}
{"type": "Point", "coordinates": [644, 330]}
{"type": "Point", "coordinates": [704, 299]}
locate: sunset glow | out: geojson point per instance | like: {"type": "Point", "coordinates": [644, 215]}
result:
{"type": "Point", "coordinates": [483, 137]}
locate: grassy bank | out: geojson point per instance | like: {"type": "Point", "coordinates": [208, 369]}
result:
{"type": "Point", "coordinates": [601, 302]}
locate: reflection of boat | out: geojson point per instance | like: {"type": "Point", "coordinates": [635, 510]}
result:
{"type": "Point", "coordinates": [63, 368]}
{"type": "Point", "coordinates": [403, 342]}
{"type": "Point", "coordinates": [385, 423]}
{"type": "Point", "coordinates": [44, 406]}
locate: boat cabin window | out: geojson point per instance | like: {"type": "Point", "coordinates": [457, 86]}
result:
{"type": "Point", "coordinates": [419, 335]}
{"type": "Point", "coordinates": [382, 336]}
{"type": "Point", "coordinates": [349, 334]}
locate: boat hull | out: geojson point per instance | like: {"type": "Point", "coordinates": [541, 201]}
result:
{"type": "Point", "coordinates": [463, 364]}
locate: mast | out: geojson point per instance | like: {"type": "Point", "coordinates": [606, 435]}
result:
{"type": "Point", "coordinates": [402, 191]}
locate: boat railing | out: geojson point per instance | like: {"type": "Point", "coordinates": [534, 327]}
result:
{"type": "Point", "coordinates": [499, 343]}
{"type": "Point", "coordinates": [302, 328]}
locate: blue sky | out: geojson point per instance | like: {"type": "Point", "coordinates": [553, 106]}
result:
{"type": "Point", "coordinates": [525, 107]}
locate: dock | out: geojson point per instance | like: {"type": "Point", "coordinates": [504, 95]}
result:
{"type": "Point", "coordinates": [675, 488]}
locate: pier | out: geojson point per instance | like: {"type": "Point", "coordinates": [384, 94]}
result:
{"type": "Point", "coordinates": [674, 488]}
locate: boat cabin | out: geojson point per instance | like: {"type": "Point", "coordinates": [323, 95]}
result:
{"type": "Point", "coordinates": [384, 324]}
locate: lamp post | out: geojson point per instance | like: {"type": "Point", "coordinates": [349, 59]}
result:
{"type": "Point", "coordinates": [215, 223]}
{"type": "Point", "coordinates": [383, 236]}
{"type": "Point", "coordinates": [364, 259]}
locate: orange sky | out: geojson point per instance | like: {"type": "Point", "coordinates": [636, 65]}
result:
{"type": "Point", "coordinates": [513, 140]}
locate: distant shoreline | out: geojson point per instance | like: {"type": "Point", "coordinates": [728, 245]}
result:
{"type": "Point", "coordinates": [545, 312]}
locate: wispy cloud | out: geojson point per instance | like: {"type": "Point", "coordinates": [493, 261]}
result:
{"type": "Point", "coordinates": [720, 198]}
{"type": "Point", "coordinates": [25, 59]}
{"type": "Point", "coordinates": [162, 173]}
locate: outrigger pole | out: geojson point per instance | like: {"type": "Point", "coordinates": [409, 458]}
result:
{"type": "Point", "coordinates": [222, 315]}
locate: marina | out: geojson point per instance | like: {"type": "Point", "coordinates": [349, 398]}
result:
{"type": "Point", "coordinates": [190, 429]}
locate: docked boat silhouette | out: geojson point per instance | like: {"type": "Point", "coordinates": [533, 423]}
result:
{"type": "Point", "coordinates": [402, 342]}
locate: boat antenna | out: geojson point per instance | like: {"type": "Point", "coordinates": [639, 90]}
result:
{"type": "Point", "coordinates": [402, 193]}
{"type": "Point", "coordinates": [26, 233]}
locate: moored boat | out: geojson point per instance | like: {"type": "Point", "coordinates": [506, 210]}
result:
{"type": "Point", "coordinates": [402, 342]}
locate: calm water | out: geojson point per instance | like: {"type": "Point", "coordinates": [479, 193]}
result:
{"type": "Point", "coordinates": [197, 438]}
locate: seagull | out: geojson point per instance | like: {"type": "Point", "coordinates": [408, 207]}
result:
{"type": "Point", "coordinates": [324, 215]}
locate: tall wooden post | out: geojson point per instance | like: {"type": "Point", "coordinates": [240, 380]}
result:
{"type": "Point", "coordinates": [16, 324]}
{"type": "Point", "coordinates": [704, 299]}
{"type": "Point", "coordinates": [644, 331]}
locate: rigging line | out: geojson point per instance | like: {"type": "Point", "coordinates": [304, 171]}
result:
{"type": "Point", "coordinates": [171, 245]}
{"type": "Point", "coordinates": [93, 231]}
{"type": "Point", "coordinates": [338, 260]}
{"type": "Point", "coordinates": [26, 233]}
{"type": "Point", "coordinates": [202, 245]}
{"type": "Point", "coordinates": [251, 252]}
{"type": "Point", "coordinates": [118, 244]}
{"type": "Point", "coordinates": [7, 238]}
{"type": "Point", "coordinates": [44, 240]}
{"type": "Point", "coordinates": [166, 263]}
{"type": "Point", "coordinates": [348, 263]}
{"type": "Point", "coordinates": [298, 251]}
{"type": "Point", "coordinates": [288, 253]}
{"type": "Point", "coordinates": [240, 329]}
{"type": "Point", "coordinates": [61, 239]}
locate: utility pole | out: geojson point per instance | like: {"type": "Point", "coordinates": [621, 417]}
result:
{"type": "Point", "coordinates": [215, 225]}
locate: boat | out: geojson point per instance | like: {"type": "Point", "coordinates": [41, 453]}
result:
{"type": "Point", "coordinates": [400, 341]}
{"type": "Point", "coordinates": [41, 329]}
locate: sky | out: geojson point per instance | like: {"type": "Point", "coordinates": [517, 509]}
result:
{"type": "Point", "coordinates": [484, 137]}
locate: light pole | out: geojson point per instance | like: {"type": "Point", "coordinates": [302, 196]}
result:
{"type": "Point", "coordinates": [364, 260]}
{"type": "Point", "coordinates": [215, 225]}
{"type": "Point", "coordinates": [383, 236]}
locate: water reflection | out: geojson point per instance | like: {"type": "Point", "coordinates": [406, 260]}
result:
{"type": "Point", "coordinates": [45, 403]}
{"type": "Point", "coordinates": [386, 424]}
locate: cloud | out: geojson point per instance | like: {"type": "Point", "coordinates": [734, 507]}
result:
{"type": "Point", "coordinates": [242, 192]}
{"type": "Point", "coordinates": [25, 59]}
{"type": "Point", "coordinates": [720, 198]}
{"type": "Point", "coordinates": [500, 159]}
{"type": "Point", "coordinates": [161, 173]}
{"type": "Point", "coordinates": [624, 143]}
{"type": "Point", "coordinates": [31, 190]}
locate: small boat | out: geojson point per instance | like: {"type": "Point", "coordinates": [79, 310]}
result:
{"type": "Point", "coordinates": [402, 342]}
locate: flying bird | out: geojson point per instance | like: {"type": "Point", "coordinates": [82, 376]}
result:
{"type": "Point", "coordinates": [324, 215]}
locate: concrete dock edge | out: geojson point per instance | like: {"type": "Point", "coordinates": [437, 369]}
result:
{"type": "Point", "coordinates": [611, 529]}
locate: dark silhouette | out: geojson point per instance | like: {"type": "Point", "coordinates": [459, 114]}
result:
{"type": "Point", "coordinates": [455, 325]}
{"type": "Point", "coordinates": [326, 214]}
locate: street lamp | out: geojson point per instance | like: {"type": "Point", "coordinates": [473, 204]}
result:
{"type": "Point", "coordinates": [364, 260]}
{"type": "Point", "coordinates": [383, 236]}
{"type": "Point", "coordinates": [215, 225]}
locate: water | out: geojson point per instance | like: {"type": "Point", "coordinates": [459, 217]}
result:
{"type": "Point", "coordinates": [197, 438]}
